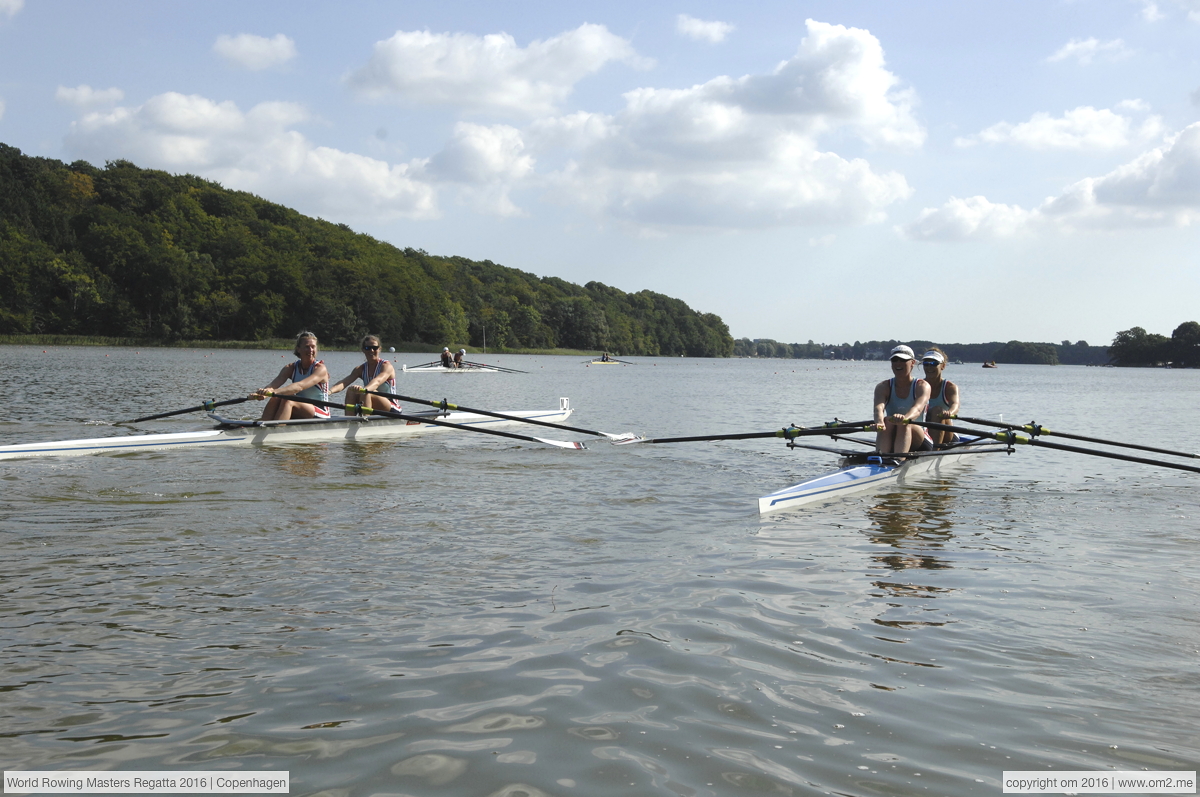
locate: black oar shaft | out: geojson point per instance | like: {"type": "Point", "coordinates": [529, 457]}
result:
{"type": "Point", "coordinates": [788, 433]}
{"type": "Point", "coordinates": [208, 406]}
{"type": "Point", "coordinates": [1036, 429]}
{"type": "Point", "coordinates": [447, 405]}
{"type": "Point", "coordinates": [405, 417]}
{"type": "Point", "coordinates": [1016, 439]}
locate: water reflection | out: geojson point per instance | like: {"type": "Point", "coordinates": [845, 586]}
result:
{"type": "Point", "coordinates": [304, 461]}
{"type": "Point", "coordinates": [915, 524]}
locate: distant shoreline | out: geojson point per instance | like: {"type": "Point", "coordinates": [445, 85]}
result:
{"type": "Point", "coordinates": [269, 344]}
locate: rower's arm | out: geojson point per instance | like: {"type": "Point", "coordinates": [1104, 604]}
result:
{"type": "Point", "coordinates": [345, 381]}
{"type": "Point", "coordinates": [882, 391]}
{"type": "Point", "coordinates": [951, 398]}
{"type": "Point", "coordinates": [920, 400]}
{"type": "Point", "coordinates": [285, 373]}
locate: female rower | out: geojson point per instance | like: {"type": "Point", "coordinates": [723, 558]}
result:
{"type": "Point", "coordinates": [943, 396]}
{"type": "Point", "coordinates": [376, 374]}
{"type": "Point", "coordinates": [308, 379]}
{"type": "Point", "coordinates": [897, 400]}
{"type": "Point", "coordinates": [458, 358]}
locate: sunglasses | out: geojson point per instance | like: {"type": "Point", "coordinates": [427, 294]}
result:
{"type": "Point", "coordinates": [370, 348]}
{"type": "Point", "coordinates": [930, 362]}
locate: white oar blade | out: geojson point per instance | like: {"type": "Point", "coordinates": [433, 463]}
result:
{"type": "Point", "coordinates": [561, 443]}
{"type": "Point", "coordinates": [626, 439]}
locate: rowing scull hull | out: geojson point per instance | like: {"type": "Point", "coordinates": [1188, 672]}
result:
{"type": "Point", "coordinates": [313, 431]}
{"type": "Point", "coordinates": [858, 478]}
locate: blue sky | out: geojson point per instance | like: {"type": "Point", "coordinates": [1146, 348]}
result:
{"type": "Point", "coordinates": [827, 170]}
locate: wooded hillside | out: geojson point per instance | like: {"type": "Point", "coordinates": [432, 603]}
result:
{"type": "Point", "coordinates": [128, 252]}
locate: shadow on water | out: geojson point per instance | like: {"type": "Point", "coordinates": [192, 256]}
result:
{"type": "Point", "coordinates": [916, 525]}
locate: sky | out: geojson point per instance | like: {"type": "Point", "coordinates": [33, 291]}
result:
{"type": "Point", "coordinates": [828, 171]}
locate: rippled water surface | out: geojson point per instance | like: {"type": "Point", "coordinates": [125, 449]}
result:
{"type": "Point", "coordinates": [464, 615]}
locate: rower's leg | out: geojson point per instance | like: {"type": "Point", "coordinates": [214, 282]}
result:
{"type": "Point", "coordinates": [271, 410]}
{"type": "Point", "coordinates": [354, 395]}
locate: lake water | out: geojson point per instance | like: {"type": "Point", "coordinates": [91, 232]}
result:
{"type": "Point", "coordinates": [459, 614]}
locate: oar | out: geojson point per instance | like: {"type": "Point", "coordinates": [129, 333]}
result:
{"type": "Point", "coordinates": [788, 433]}
{"type": "Point", "coordinates": [497, 367]}
{"type": "Point", "coordinates": [359, 409]}
{"type": "Point", "coordinates": [445, 405]}
{"type": "Point", "coordinates": [1013, 438]}
{"type": "Point", "coordinates": [1037, 429]}
{"type": "Point", "coordinates": [207, 406]}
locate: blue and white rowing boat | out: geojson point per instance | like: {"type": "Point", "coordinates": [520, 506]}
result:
{"type": "Point", "coordinates": [234, 433]}
{"type": "Point", "coordinates": [860, 472]}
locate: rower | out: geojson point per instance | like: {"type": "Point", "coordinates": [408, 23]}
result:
{"type": "Point", "coordinates": [943, 397]}
{"type": "Point", "coordinates": [376, 373]}
{"type": "Point", "coordinates": [447, 357]}
{"type": "Point", "coordinates": [308, 379]}
{"type": "Point", "coordinates": [458, 358]}
{"type": "Point", "coordinates": [898, 400]}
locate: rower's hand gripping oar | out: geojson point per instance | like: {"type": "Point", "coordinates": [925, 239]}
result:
{"type": "Point", "coordinates": [1035, 429]}
{"type": "Point", "coordinates": [358, 409]}
{"type": "Point", "coordinates": [207, 406]}
{"type": "Point", "coordinates": [1012, 438]}
{"type": "Point", "coordinates": [445, 405]}
{"type": "Point", "coordinates": [788, 433]}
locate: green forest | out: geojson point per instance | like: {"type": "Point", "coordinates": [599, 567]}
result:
{"type": "Point", "coordinates": [1014, 351]}
{"type": "Point", "coordinates": [128, 252]}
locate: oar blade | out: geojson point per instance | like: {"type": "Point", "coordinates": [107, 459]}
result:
{"type": "Point", "coordinates": [626, 439]}
{"type": "Point", "coordinates": [561, 443]}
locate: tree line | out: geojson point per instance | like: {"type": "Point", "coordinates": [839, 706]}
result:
{"type": "Point", "coordinates": [1014, 351]}
{"type": "Point", "coordinates": [1137, 347]}
{"type": "Point", "coordinates": [122, 251]}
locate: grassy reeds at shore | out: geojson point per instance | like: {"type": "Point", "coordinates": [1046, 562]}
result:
{"type": "Point", "coordinates": [269, 344]}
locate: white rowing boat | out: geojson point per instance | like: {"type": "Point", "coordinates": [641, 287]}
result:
{"type": "Point", "coordinates": [438, 368]}
{"type": "Point", "coordinates": [231, 433]}
{"type": "Point", "coordinates": [859, 472]}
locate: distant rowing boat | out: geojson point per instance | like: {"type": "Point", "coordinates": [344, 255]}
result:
{"type": "Point", "coordinates": [233, 433]}
{"type": "Point", "coordinates": [465, 368]}
{"type": "Point", "coordinates": [861, 471]}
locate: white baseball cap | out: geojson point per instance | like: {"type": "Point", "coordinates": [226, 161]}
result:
{"type": "Point", "coordinates": [903, 352]}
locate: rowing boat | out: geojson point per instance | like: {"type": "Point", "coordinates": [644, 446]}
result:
{"type": "Point", "coordinates": [859, 471]}
{"type": "Point", "coordinates": [438, 368]}
{"type": "Point", "coordinates": [228, 433]}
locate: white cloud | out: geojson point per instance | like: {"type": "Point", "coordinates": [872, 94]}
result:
{"type": "Point", "coordinates": [1086, 50]}
{"type": "Point", "coordinates": [702, 30]}
{"type": "Point", "coordinates": [1192, 7]}
{"type": "Point", "coordinates": [488, 73]}
{"type": "Point", "coordinates": [1082, 128]}
{"type": "Point", "coordinates": [743, 153]}
{"type": "Point", "coordinates": [255, 52]}
{"type": "Point", "coordinates": [1160, 188]}
{"type": "Point", "coordinates": [486, 163]}
{"type": "Point", "coordinates": [971, 218]}
{"type": "Point", "coordinates": [9, 8]}
{"type": "Point", "coordinates": [253, 151]}
{"type": "Point", "coordinates": [1150, 12]}
{"type": "Point", "coordinates": [84, 96]}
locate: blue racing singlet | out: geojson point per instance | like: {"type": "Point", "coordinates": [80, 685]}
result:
{"type": "Point", "coordinates": [318, 391]}
{"type": "Point", "coordinates": [901, 404]}
{"type": "Point", "coordinates": [387, 387]}
{"type": "Point", "coordinates": [938, 402]}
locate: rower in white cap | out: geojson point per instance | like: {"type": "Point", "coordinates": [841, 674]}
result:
{"type": "Point", "coordinates": [897, 400]}
{"type": "Point", "coordinates": [943, 396]}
